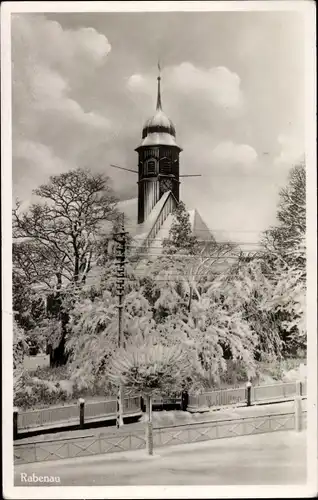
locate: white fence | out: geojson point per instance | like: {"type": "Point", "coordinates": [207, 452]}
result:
{"type": "Point", "coordinates": [70, 414]}
{"type": "Point", "coordinates": [122, 440]}
{"type": "Point", "coordinates": [258, 394]}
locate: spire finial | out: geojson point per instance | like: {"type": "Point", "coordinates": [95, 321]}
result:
{"type": "Point", "coordinates": [159, 91]}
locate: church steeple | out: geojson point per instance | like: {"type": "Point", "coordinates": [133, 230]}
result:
{"type": "Point", "coordinates": [158, 166]}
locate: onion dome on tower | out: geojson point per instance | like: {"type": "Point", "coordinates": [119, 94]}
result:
{"type": "Point", "coordinates": [159, 129]}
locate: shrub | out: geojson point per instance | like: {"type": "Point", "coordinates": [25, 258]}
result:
{"type": "Point", "coordinates": [35, 394]}
{"type": "Point", "coordinates": [235, 375]}
{"type": "Point", "coordinates": [51, 373]}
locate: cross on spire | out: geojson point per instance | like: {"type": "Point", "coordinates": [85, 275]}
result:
{"type": "Point", "coordinates": [159, 107]}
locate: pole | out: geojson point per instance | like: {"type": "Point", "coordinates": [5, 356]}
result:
{"type": "Point", "coordinates": [82, 411]}
{"type": "Point", "coordinates": [248, 393]}
{"type": "Point", "coordinates": [15, 423]}
{"type": "Point", "coordinates": [120, 238]}
{"type": "Point", "coordinates": [298, 413]}
{"type": "Point", "coordinates": [149, 428]}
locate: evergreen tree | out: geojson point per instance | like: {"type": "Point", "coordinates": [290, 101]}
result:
{"type": "Point", "coordinates": [285, 259]}
{"type": "Point", "coordinates": [287, 239]}
{"type": "Point", "coordinates": [180, 234]}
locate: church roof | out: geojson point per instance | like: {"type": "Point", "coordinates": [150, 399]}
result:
{"type": "Point", "coordinates": [130, 207]}
{"type": "Point", "coordinates": [199, 227]}
{"type": "Point", "coordinates": [130, 210]}
{"type": "Point", "coordinates": [158, 139]}
{"type": "Point", "coordinates": [158, 122]}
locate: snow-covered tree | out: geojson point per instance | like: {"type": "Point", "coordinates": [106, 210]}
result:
{"type": "Point", "coordinates": [71, 208]}
{"type": "Point", "coordinates": [20, 349]}
{"type": "Point", "coordinates": [287, 240]}
{"type": "Point", "coordinates": [248, 287]}
{"type": "Point", "coordinates": [179, 278]}
{"type": "Point", "coordinates": [180, 234]}
{"type": "Point", "coordinates": [148, 368]}
{"type": "Point", "coordinates": [91, 338]}
{"type": "Point", "coordinates": [285, 258]}
{"type": "Point", "coordinates": [288, 306]}
{"type": "Point", "coordinates": [93, 333]}
{"type": "Point", "coordinates": [59, 235]}
{"type": "Point", "coordinates": [220, 333]}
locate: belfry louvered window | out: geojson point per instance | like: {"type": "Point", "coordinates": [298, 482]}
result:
{"type": "Point", "coordinates": [166, 166]}
{"type": "Point", "coordinates": [150, 167]}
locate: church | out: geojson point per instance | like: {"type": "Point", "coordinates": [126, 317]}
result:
{"type": "Point", "coordinates": [148, 217]}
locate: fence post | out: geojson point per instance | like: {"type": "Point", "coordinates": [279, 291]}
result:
{"type": "Point", "coordinates": [298, 388]}
{"type": "Point", "coordinates": [82, 411]}
{"type": "Point", "coordinates": [15, 423]}
{"type": "Point", "coordinates": [149, 427]}
{"type": "Point", "coordinates": [142, 404]}
{"type": "Point", "coordinates": [248, 393]}
{"type": "Point", "coordinates": [184, 400]}
{"type": "Point", "coordinates": [298, 413]}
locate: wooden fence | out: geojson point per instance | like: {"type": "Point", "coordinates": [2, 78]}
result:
{"type": "Point", "coordinates": [73, 414]}
{"type": "Point", "coordinates": [247, 395]}
{"type": "Point", "coordinates": [82, 414]}
{"type": "Point", "coordinates": [162, 436]}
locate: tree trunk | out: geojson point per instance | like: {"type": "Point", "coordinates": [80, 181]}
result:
{"type": "Point", "coordinates": [60, 357]}
{"type": "Point", "coordinates": [190, 299]}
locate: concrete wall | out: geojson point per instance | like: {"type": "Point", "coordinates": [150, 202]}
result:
{"type": "Point", "coordinates": [34, 362]}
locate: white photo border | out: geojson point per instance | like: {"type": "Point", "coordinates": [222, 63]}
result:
{"type": "Point", "coordinates": [307, 8]}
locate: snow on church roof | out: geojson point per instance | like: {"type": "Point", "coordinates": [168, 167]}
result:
{"type": "Point", "coordinates": [158, 139]}
{"type": "Point", "coordinates": [199, 227]}
{"type": "Point", "coordinates": [130, 208]}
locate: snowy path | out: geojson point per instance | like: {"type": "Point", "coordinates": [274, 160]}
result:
{"type": "Point", "coordinates": [277, 458]}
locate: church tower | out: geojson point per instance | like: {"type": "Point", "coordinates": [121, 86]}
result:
{"type": "Point", "coordinates": [158, 161]}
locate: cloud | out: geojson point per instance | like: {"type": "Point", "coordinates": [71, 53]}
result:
{"type": "Point", "coordinates": [216, 86]}
{"type": "Point", "coordinates": [40, 156]}
{"type": "Point", "coordinates": [234, 154]}
{"type": "Point", "coordinates": [291, 151]}
{"type": "Point", "coordinates": [38, 159]}
{"type": "Point", "coordinates": [137, 82]}
{"type": "Point", "coordinates": [47, 41]}
{"type": "Point", "coordinates": [49, 121]}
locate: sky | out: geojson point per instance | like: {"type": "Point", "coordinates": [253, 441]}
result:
{"type": "Point", "coordinates": [83, 85]}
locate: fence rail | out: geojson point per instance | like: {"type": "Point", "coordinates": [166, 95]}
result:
{"type": "Point", "coordinates": [276, 392]}
{"type": "Point", "coordinates": [46, 416]}
{"type": "Point", "coordinates": [218, 398]}
{"type": "Point", "coordinates": [162, 436]}
{"type": "Point", "coordinates": [257, 394]}
{"type": "Point", "coordinates": [71, 414]}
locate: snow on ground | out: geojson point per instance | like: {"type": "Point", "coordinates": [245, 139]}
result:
{"type": "Point", "coordinates": [168, 418]}
{"type": "Point", "coordinates": [277, 458]}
